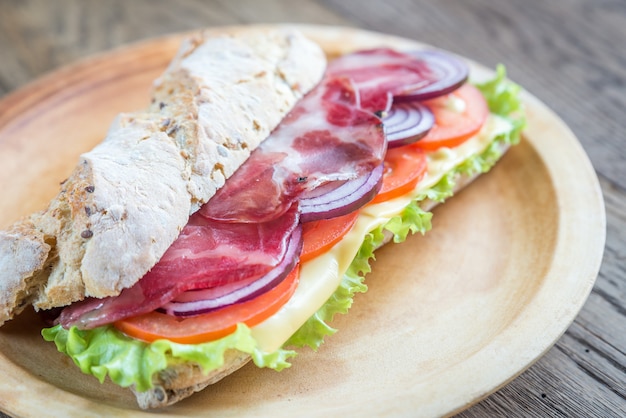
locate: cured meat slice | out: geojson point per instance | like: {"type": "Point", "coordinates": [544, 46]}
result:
{"type": "Point", "coordinates": [326, 139]}
{"type": "Point", "coordinates": [382, 73]}
{"type": "Point", "coordinates": [206, 254]}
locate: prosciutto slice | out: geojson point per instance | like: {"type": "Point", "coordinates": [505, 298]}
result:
{"type": "Point", "coordinates": [207, 254]}
{"type": "Point", "coordinates": [379, 74]}
{"type": "Point", "coordinates": [326, 139]}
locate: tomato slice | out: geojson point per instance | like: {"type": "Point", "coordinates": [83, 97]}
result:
{"type": "Point", "coordinates": [212, 325]}
{"type": "Point", "coordinates": [320, 236]}
{"type": "Point", "coordinates": [452, 127]}
{"type": "Point", "coordinates": [404, 167]}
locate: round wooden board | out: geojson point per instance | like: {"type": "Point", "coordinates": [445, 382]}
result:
{"type": "Point", "coordinates": [449, 318]}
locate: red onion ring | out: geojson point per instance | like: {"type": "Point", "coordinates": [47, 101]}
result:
{"type": "Point", "coordinates": [195, 302]}
{"type": "Point", "coordinates": [194, 295]}
{"type": "Point", "coordinates": [346, 198]}
{"type": "Point", "coordinates": [406, 123]}
{"type": "Point", "coordinates": [450, 72]}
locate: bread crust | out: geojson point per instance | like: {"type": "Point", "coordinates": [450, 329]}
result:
{"type": "Point", "coordinates": [23, 251]}
{"type": "Point", "coordinates": [128, 198]}
{"type": "Point", "coordinates": [183, 380]}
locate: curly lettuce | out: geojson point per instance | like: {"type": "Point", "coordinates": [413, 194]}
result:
{"type": "Point", "coordinates": [129, 362]}
{"type": "Point", "coordinates": [105, 351]}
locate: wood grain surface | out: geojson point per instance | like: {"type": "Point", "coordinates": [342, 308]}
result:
{"type": "Point", "coordinates": [571, 54]}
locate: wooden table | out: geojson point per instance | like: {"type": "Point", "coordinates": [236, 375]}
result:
{"type": "Point", "coordinates": [570, 53]}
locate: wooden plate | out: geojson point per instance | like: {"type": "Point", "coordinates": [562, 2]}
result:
{"type": "Point", "coordinates": [449, 317]}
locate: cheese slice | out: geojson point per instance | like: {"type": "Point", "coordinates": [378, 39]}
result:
{"type": "Point", "coordinates": [320, 277]}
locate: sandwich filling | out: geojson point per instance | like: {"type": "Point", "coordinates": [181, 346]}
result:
{"type": "Point", "coordinates": [324, 285]}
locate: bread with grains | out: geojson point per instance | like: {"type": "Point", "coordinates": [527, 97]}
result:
{"type": "Point", "coordinates": [129, 197]}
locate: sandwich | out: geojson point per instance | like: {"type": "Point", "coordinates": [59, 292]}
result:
{"type": "Point", "coordinates": [235, 216]}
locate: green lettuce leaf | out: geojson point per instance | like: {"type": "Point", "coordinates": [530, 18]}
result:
{"type": "Point", "coordinates": [105, 351]}
{"type": "Point", "coordinates": [128, 362]}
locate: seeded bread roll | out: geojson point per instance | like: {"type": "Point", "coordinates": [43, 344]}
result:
{"type": "Point", "coordinates": [128, 198]}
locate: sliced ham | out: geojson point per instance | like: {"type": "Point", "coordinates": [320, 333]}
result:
{"type": "Point", "coordinates": [380, 73]}
{"type": "Point", "coordinates": [206, 254]}
{"type": "Point", "coordinates": [326, 139]}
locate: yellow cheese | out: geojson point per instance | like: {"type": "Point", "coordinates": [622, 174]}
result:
{"type": "Point", "coordinates": [320, 277]}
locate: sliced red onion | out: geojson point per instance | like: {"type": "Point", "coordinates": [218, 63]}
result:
{"type": "Point", "coordinates": [194, 295]}
{"type": "Point", "coordinates": [449, 71]}
{"type": "Point", "coordinates": [406, 123]}
{"type": "Point", "coordinates": [196, 302]}
{"type": "Point", "coordinates": [346, 198]}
